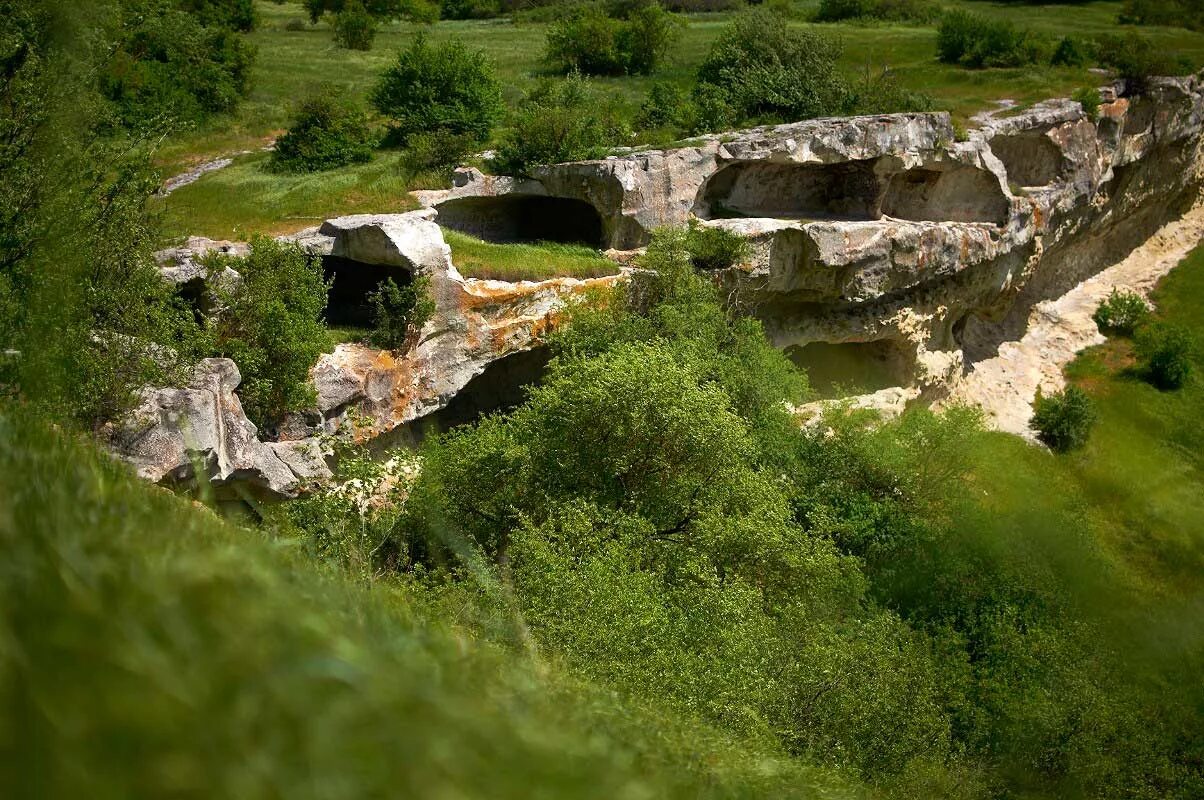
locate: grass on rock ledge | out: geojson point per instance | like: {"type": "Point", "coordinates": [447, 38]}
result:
{"type": "Point", "coordinates": [525, 262]}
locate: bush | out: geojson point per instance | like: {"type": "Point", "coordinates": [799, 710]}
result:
{"type": "Point", "coordinates": [272, 327]}
{"type": "Point", "coordinates": [1166, 354]}
{"type": "Point", "coordinates": [326, 132]}
{"type": "Point", "coordinates": [1064, 420]}
{"type": "Point", "coordinates": [435, 154]}
{"type": "Point", "coordinates": [469, 9]}
{"type": "Point", "coordinates": [397, 311]}
{"type": "Point", "coordinates": [1089, 99]}
{"type": "Point", "coordinates": [563, 120]}
{"type": "Point", "coordinates": [588, 40]}
{"type": "Point", "coordinates": [882, 93]}
{"type": "Point", "coordinates": [766, 70]}
{"type": "Point", "coordinates": [170, 68]}
{"type": "Point", "coordinates": [1182, 13]}
{"type": "Point", "coordinates": [665, 105]}
{"type": "Point", "coordinates": [976, 41]}
{"type": "Point", "coordinates": [1136, 59]}
{"type": "Point", "coordinates": [237, 15]}
{"type": "Point", "coordinates": [916, 11]}
{"type": "Point", "coordinates": [715, 248]}
{"type": "Point", "coordinates": [1121, 313]}
{"type": "Point", "coordinates": [445, 87]}
{"type": "Point", "coordinates": [413, 10]}
{"type": "Point", "coordinates": [1070, 52]}
{"type": "Point", "coordinates": [354, 28]}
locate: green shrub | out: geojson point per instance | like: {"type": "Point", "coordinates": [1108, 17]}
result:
{"type": "Point", "coordinates": [1136, 59]}
{"type": "Point", "coordinates": [1063, 420]}
{"type": "Point", "coordinates": [398, 311]}
{"type": "Point", "coordinates": [326, 132]}
{"type": "Point", "coordinates": [564, 120]}
{"type": "Point", "coordinates": [272, 327]}
{"type": "Point", "coordinates": [665, 105]}
{"type": "Point", "coordinates": [1122, 312]}
{"type": "Point", "coordinates": [354, 28]}
{"type": "Point", "coordinates": [434, 155]}
{"type": "Point", "coordinates": [1166, 355]}
{"type": "Point", "coordinates": [882, 93]}
{"type": "Point", "coordinates": [414, 10]}
{"type": "Point", "coordinates": [1070, 52]}
{"type": "Point", "coordinates": [976, 41]}
{"type": "Point", "coordinates": [589, 40]}
{"type": "Point", "coordinates": [469, 9]}
{"type": "Point", "coordinates": [238, 15]}
{"type": "Point", "coordinates": [914, 11]}
{"type": "Point", "coordinates": [767, 70]}
{"type": "Point", "coordinates": [1089, 99]}
{"type": "Point", "coordinates": [714, 248]}
{"type": "Point", "coordinates": [1182, 13]}
{"type": "Point", "coordinates": [439, 87]}
{"type": "Point", "coordinates": [167, 67]}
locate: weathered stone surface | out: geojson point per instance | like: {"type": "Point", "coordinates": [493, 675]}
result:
{"type": "Point", "coordinates": [476, 322]}
{"type": "Point", "coordinates": [176, 431]}
{"type": "Point", "coordinates": [182, 265]}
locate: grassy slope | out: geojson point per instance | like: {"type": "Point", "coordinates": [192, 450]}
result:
{"type": "Point", "coordinates": [525, 262]}
{"type": "Point", "coordinates": [149, 650]}
{"type": "Point", "coordinates": [245, 198]}
{"type": "Point", "coordinates": [1143, 470]}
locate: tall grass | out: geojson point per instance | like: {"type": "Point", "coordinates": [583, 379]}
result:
{"type": "Point", "coordinates": [525, 262]}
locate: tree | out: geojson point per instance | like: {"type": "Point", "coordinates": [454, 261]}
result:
{"type": "Point", "coordinates": [445, 87]}
{"type": "Point", "coordinates": [326, 132]}
{"type": "Point", "coordinates": [1166, 352]}
{"type": "Point", "coordinates": [272, 327]}
{"type": "Point", "coordinates": [589, 40]}
{"type": "Point", "coordinates": [766, 69]}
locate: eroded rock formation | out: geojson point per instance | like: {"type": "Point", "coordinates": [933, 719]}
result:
{"type": "Point", "coordinates": [887, 229]}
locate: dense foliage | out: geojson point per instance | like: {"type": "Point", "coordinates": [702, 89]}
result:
{"type": "Point", "coordinates": [399, 311]}
{"type": "Point", "coordinates": [1183, 13]}
{"type": "Point", "coordinates": [1063, 420]}
{"type": "Point", "coordinates": [562, 120]}
{"type": "Point", "coordinates": [763, 69]}
{"type": "Point", "coordinates": [715, 248]}
{"type": "Point", "coordinates": [1166, 354]}
{"type": "Point", "coordinates": [977, 41]}
{"type": "Point", "coordinates": [593, 39]}
{"type": "Point", "coordinates": [271, 325]}
{"type": "Point", "coordinates": [1121, 313]}
{"type": "Point", "coordinates": [415, 10]}
{"type": "Point", "coordinates": [914, 11]}
{"type": "Point", "coordinates": [238, 15]}
{"type": "Point", "coordinates": [445, 87]}
{"type": "Point", "coordinates": [168, 67]}
{"type": "Point", "coordinates": [326, 132]}
{"type": "Point", "coordinates": [354, 28]}
{"type": "Point", "coordinates": [85, 320]}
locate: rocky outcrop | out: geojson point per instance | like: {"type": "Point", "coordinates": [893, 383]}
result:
{"type": "Point", "coordinates": [476, 323]}
{"type": "Point", "coordinates": [177, 435]}
{"type": "Point", "coordinates": [888, 229]}
{"type": "Point", "coordinates": [360, 390]}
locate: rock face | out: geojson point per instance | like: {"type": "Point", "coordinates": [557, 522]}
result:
{"type": "Point", "coordinates": [361, 390]}
{"type": "Point", "coordinates": [176, 432]}
{"type": "Point", "coordinates": [886, 229]}
{"type": "Point", "coordinates": [476, 323]}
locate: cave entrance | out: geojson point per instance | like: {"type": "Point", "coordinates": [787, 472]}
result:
{"type": "Point", "coordinates": [351, 283]}
{"type": "Point", "coordinates": [957, 194]}
{"type": "Point", "coordinates": [525, 218]}
{"type": "Point", "coordinates": [1031, 159]}
{"type": "Point", "coordinates": [848, 190]}
{"type": "Point", "coordinates": [850, 368]}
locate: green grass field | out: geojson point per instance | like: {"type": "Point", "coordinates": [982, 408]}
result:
{"type": "Point", "coordinates": [1143, 470]}
{"type": "Point", "coordinates": [245, 198]}
{"type": "Point", "coordinates": [525, 262]}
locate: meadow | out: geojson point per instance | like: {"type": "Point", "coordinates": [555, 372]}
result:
{"type": "Point", "coordinates": [294, 56]}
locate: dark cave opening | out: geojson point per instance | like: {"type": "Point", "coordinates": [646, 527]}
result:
{"type": "Point", "coordinates": [347, 300]}
{"type": "Point", "coordinates": [1031, 159]}
{"type": "Point", "coordinates": [957, 194]}
{"type": "Point", "coordinates": [525, 218]}
{"type": "Point", "coordinates": [848, 190]}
